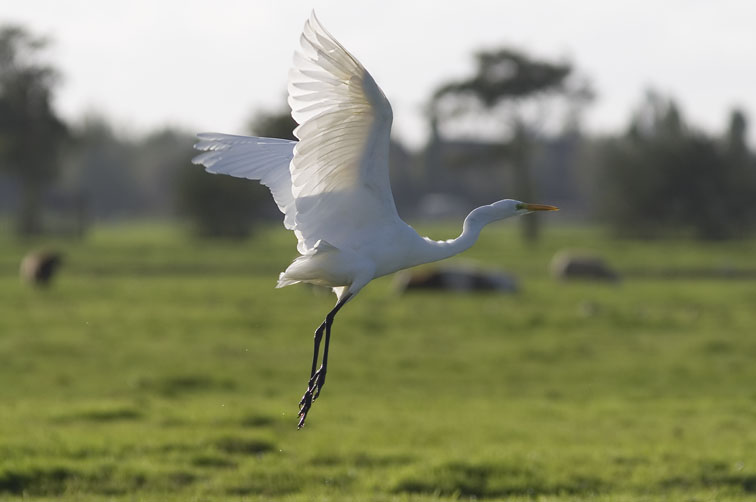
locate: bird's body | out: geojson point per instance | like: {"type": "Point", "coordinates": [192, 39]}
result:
{"type": "Point", "coordinates": [333, 184]}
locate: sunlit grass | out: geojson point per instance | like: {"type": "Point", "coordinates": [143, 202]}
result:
{"type": "Point", "coordinates": [159, 367]}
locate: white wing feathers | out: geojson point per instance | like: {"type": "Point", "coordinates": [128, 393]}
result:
{"type": "Point", "coordinates": [332, 185]}
{"type": "Point", "coordinates": [263, 159]}
{"type": "Point", "coordinates": [339, 173]}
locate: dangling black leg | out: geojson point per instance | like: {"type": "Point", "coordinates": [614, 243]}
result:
{"type": "Point", "coordinates": [320, 375]}
{"type": "Point", "coordinates": [316, 351]}
{"type": "Point", "coordinates": [306, 401]}
{"type": "Point", "coordinates": [317, 378]}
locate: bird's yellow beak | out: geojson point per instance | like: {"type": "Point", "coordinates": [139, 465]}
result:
{"type": "Point", "coordinates": [539, 207]}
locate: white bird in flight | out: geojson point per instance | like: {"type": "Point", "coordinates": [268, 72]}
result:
{"type": "Point", "coordinates": [333, 184]}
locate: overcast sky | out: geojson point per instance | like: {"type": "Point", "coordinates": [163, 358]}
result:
{"type": "Point", "coordinates": [207, 65]}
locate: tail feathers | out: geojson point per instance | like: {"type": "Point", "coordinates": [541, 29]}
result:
{"type": "Point", "coordinates": [310, 266]}
{"type": "Point", "coordinates": [284, 281]}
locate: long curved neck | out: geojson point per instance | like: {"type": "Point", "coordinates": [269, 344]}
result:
{"type": "Point", "coordinates": [474, 223]}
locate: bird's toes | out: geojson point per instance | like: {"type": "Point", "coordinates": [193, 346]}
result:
{"type": "Point", "coordinates": [317, 382]}
{"type": "Point", "coordinates": [302, 417]}
{"type": "Point", "coordinates": [311, 384]}
{"type": "Point", "coordinates": [318, 388]}
{"type": "Point", "coordinates": [306, 401]}
{"type": "Point", "coordinates": [314, 386]}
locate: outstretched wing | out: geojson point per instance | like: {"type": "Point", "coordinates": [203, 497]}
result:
{"type": "Point", "coordinates": [332, 185]}
{"type": "Point", "coordinates": [263, 159]}
{"type": "Point", "coordinates": [339, 172]}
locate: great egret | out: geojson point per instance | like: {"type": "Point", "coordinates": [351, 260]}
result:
{"type": "Point", "coordinates": [333, 184]}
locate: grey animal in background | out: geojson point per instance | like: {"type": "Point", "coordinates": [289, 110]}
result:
{"type": "Point", "coordinates": [456, 278]}
{"type": "Point", "coordinates": [39, 267]}
{"type": "Point", "coordinates": [568, 265]}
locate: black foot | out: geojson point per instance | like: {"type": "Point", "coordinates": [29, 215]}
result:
{"type": "Point", "coordinates": [314, 386]}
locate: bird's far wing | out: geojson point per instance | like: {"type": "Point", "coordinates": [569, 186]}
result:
{"type": "Point", "coordinates": [263, 159]}
{"type": "Point", "coordinates": [339, 172]}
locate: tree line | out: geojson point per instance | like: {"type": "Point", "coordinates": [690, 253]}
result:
{"type": "Point", "coordinates": [660, 175]}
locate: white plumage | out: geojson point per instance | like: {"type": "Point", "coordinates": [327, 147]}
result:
{"type": "Point", "coordinates": [333, 184]}
{"type": "Point", "coordinates": [263, 159]}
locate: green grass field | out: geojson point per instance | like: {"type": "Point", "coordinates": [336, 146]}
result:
{"type": "Point", "coordinates": [161, 368]}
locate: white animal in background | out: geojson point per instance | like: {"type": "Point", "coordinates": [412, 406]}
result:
{"type": "Point", "coordinates": [333, 184]}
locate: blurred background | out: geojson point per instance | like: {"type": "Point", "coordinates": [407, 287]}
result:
{"type": "Point", "coordinates": [633, 115]}
{"type": "Point", "coordinates": [607, 353]}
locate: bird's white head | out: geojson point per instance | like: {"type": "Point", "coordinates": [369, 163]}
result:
{"type": "Point", "coordinates": [500, 210]}
{"type": "Point", "coordinates": [484, 215]}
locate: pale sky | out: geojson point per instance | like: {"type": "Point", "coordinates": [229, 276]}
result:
{"type": "Point", "coordinates": [207, 65]}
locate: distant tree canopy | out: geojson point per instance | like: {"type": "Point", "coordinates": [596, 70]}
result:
{"type": "Point", "coordinates": [218, 205]}
{"type": "Point", "coordinates": [664, 177]}
{"type": "Point", "coordinates": [659, 176]}
{"type": "Point", "coordinates": [30, 131]}
{"type": "Point", "coordinates": [273, 124]}
{"type": "Point", "coordinates": [122, 177]}
{"type": "Point", "coordinates": [503, 81]}
{"type": "Point", "coordinates": [506, 74]}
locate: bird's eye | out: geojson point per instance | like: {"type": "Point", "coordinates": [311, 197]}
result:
{"type": "Point", "coordinates": [520, 206]}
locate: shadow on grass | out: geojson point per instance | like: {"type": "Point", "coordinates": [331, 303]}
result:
{"type": "Point", "coordinates": [57, 480]}
{"type": "Point", "coordinates": [36, 480]}
{"type": "Point", "coordinates": [213, 462]}
{"type": "Point", "coordinates": [268, 483]}
{"type": "Point", "coordinates": [101, 414]}
{"type": "Point", "coordinates": [362, 460]}
{"type": "Point", "coordinates": [173, 386]}
{"type": "Point", "coordinates": [257, 421]}
{"type": "Point", "coordinates": [713, 474]}
{"type": "Point", "coordinates": [462, 479]}
{"type": "Point", "coordinates": [243, 446]}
